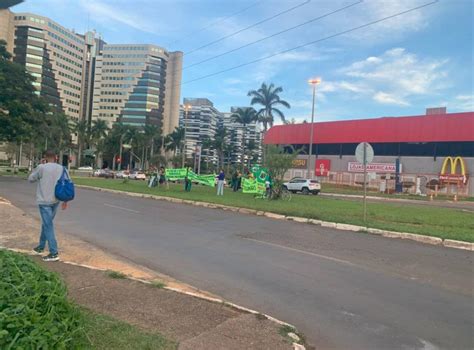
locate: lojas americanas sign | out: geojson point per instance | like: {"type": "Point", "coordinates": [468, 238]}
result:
{"type": "Point", "coordinates": [357, 167]}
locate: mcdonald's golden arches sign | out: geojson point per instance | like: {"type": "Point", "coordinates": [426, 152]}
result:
{"type": "Point", "coordinates": [449, 170]}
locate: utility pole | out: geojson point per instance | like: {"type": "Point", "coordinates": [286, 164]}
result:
{"type": "Point", "coordinates": [313, 82]}
{"type": "Point", "coordinates": [186, 108]}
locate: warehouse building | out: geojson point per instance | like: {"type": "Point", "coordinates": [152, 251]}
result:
{"type": "Point", "coordinates": [435, 151]}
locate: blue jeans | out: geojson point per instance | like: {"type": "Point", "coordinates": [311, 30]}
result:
{"type": "Point", "coordinates": [48, 212]}
{"type": "Point", "coordinates": [220, 187]}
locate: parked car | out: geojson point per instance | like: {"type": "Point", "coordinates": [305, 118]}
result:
{"type": "Point", "coordinates": [85, 168]}
{"type": "Point", "coordinates": [305, 186]}
{"type": "Point", "coordinates": [137, 175]}
{"type": "Point", "coordinates": [122, 174]}
{"type": "Point", "coordinates": [106, 173]}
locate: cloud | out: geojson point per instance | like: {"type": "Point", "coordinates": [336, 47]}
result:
{"type": "Point", "coordinates": [464, 102]}
{"type": "Point", "coordinates": [392, 78]}
{"type": "Point", "coordinates": [384, 98]}
{"type": "Point", "coordinates": [104, 12]}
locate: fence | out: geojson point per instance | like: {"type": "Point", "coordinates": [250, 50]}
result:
{"type": "Point", "coordinates": [421, 184]}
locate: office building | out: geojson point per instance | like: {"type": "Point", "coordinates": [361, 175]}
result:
{"type": "Point", "coordinates": [201, 119]}
{"type": "Point", "coordinates": [138, 85]}
{"type": "Point", "coordinates": [238, 134]}
{"type": "Point", "coordinates": [87, 79]}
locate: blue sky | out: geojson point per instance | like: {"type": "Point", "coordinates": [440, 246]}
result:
{"type": "Point", "coordinates": [397, 67]}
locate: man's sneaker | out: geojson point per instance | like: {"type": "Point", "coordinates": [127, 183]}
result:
{"type": "Point", "coordinates": [51, 257]}
{"type": "Point", "coordinates": [38, 250]}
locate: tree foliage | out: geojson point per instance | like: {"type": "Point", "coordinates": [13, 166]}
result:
{"type": "Point", "coordinates": [22, 112]}
{"type": "Point", "coordinates": [278, 162]}
{"type": "Point", "coordinates": [268, 97]}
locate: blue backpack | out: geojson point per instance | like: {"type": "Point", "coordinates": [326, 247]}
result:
{"type": "Point", "coordinates": [64, 190]}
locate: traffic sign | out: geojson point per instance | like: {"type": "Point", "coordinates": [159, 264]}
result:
{"type": "Point", "coordinates": [369, 153]}
{"type": "Point", "coordinates": [364, 155]}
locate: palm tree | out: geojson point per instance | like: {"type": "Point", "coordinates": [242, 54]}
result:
{"type": "Point", "coordinates": [98, 133]}
{"type": "Point", "coordinates": [244, 116]}
{"type": "Point", "coordinates": [81, 128]}
{"type": "Point", "coordinates": [268, 98]}
{"type": "Point", "coordinates": [175, 140]}
{"type": "Point", "coordinates": [99, 130]}
{"type": "Point", "coordinates": [152, 133]}
{"type": "Point", "coordinates": [207, 144]}
{"type": "Point", "coordinates": [220, 143]}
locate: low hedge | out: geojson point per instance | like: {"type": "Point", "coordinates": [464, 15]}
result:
{"type": "Point", "coordinates": [34, 310]}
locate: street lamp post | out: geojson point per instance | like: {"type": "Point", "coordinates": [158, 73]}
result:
{"type": "Point", "coordinates": [313, 82]}
{"type": "Point", "coordinates": [186, 109]}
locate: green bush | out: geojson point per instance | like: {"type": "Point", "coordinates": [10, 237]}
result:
{"type": "Point", "coordinates": [34, 310]}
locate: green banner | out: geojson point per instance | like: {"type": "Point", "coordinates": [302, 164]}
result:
{"type": "Point", "coordinates": [181, 173]}
{"type": "Point", "coordinates": [252, 186]}
{"type": "Point", "coordinates": [176, 174]}
{"type": "Point", "coordinates": [208, 180]}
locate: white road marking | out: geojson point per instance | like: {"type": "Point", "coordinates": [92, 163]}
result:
{"type": "Point", "coordinates": [303, 252]}
{"type": "Point", "coordinates": [114, 206]}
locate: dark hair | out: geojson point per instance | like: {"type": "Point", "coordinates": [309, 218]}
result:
{"type": "Point", "coordinates": [50, 154]}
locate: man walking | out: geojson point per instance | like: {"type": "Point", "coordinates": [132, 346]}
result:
{"type": "Point", "coordinates": [47, 175]}
{"type": "Point", "coordinates": [220, 183]}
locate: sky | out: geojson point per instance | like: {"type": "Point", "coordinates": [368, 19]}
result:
{"type": "Point", "coordinates": [395, 67]}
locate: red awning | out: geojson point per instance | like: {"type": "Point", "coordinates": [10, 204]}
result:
{"type": "Point", "coordinates": [423, 128]}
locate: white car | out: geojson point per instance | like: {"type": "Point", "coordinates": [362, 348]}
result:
{"type": "Point", "coordinates": [85, 168]}
{"type": "Point", "coordinates": [137, 175]}
{"type": "Point", "coordinates": [306, 186]}
{"type": "Point", "coordinates": [123, 174]}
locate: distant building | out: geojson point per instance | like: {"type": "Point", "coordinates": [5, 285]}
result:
{"type": "Point", "coordinates": [201, 118]}
{"type": "Point", "coordinates": [138, 85]}
{"type": "Point", "coordinates": [53, 55]}
{"type": "Point", "coordinates": [251, 134]}
{"type": "Point", "coordinates": [87, 79]}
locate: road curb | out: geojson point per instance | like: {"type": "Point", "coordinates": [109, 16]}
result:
{"type": "Point", "coordinates": [448, 243]}
{"type": "Point", "coordinates": [178, 290]}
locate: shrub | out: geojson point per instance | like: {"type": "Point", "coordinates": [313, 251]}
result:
{"type": "Point", "coordinates": [34, 310]}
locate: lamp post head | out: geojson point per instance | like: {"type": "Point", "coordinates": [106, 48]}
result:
{"type": "Point", "coordinates": [314, 81]}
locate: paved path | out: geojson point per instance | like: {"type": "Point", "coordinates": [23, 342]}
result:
{"type": "Point", "coordinates": [342, 289]}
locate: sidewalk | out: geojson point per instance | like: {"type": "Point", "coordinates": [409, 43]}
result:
{"type": "Point", "coordinates": [193, 322]}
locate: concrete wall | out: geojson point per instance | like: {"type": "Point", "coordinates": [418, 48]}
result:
{"type": "Point", "coordinates": [411, 166]}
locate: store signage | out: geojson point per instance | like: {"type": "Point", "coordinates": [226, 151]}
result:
{"type": "Point", "coordinates": [299, 164]}
{"type": "Point", "coordinates": [449, 170]}
{"type": "Point", "coordinates": [357, 167]}
{"type": "Point", "coordinates": [322, 167]}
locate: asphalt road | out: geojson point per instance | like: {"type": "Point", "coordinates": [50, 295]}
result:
{"type": "Point", "coordinates": [344, 290]}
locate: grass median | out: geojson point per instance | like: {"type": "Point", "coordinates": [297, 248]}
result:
{"type": "Point", "coordinates": [35, 313]}
{"type": "Point", "coordinates": [421, 219]}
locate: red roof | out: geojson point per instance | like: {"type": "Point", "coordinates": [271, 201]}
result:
{"type": "Point", "coordinates": [422, 128]}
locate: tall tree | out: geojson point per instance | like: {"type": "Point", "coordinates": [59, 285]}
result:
{"type": "Point", "coordinates": [244, 116]}
{"type": "Point", "coordinates": [22, 112]}
{"type": "Point", "coordinates": [220, 143]}
{"type": "Point", "coordinates": [175, 141]}
{"type": "Point", "coordinates": [268, 97]}
{"type": "Point", "coordinates": [81, 128]}
{"type": "Point", "coordinates": [99, 130]}
{"type": "Point", "coordinates": [152, 134]}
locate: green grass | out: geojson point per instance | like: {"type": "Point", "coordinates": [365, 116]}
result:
{"type": "Point", "coordinates": [158, 284]}
{"type": "Point", "coordinates": [35, 313]}
{"type": "Point", "coordinates": [440, 222]}
{"type": "Point", "coordinates": [105, 333]}
{"type": "Point", "coordinates": [351, 190]}
{"type": "Point", "coordinates": [115, 274]}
